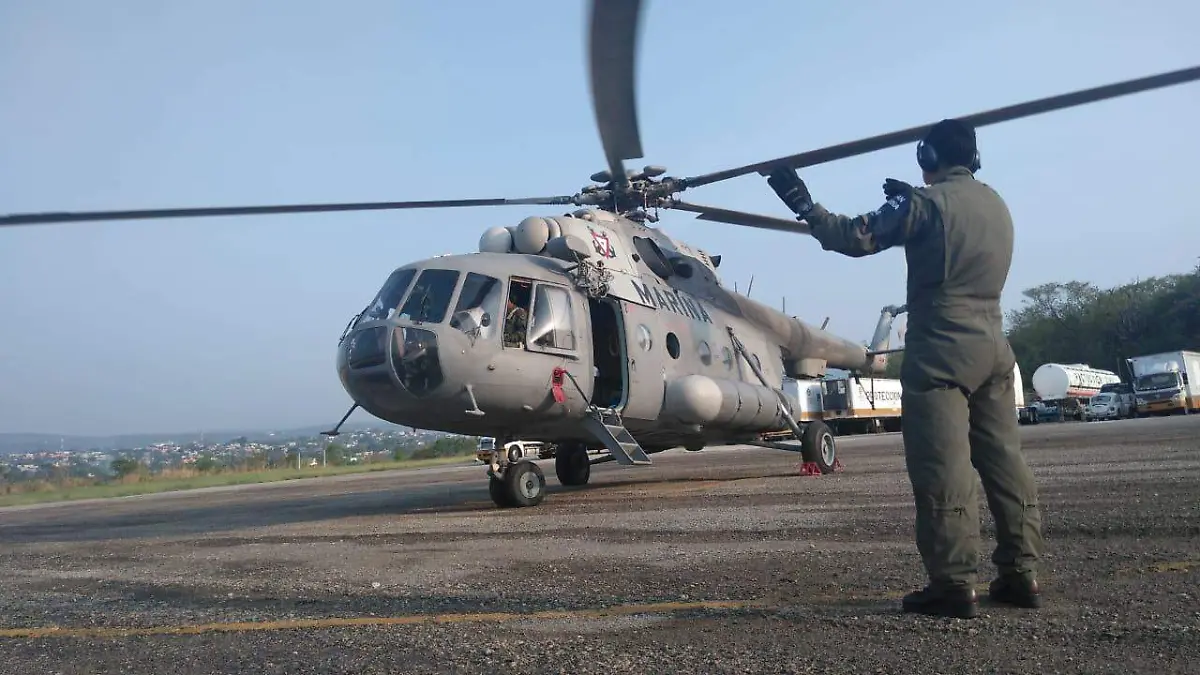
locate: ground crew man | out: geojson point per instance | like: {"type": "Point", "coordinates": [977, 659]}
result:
{"type": "Point", "coordinates": [958, 403]}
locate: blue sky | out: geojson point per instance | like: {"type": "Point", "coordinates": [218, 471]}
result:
{"type": "Point", "coordinates": [229, 322]}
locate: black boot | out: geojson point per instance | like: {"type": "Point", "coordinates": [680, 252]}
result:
{"type": "Point", "coordinates": [958, 602]}
{"type": "Point", "coordinates": [1019, 590]}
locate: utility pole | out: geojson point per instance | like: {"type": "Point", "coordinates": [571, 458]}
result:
{"type": "Point", "coordinates": [329, 436]}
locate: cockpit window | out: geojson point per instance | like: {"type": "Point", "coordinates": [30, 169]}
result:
{"type": "Point", "coordinates": [430, 296]}
{"type": "Point", "coordinates": [478, 306]}
{"type": "Point", "coordinates": [552, 325]}
{"type": "Point", "coordinates": [389, 296]}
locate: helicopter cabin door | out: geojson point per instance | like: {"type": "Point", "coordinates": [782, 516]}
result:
{"type": "Point", "coordinates": [609, 355]}
{"type": "Point", "coordinates": [642, 361]}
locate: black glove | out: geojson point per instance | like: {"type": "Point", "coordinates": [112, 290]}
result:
{"type": "Point", "coordinates": [893, 187]}
{"type": "Point", "coordinates": [791, 190]}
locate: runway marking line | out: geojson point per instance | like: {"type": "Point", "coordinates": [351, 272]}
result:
{"type": "Point", "coordinates": [349, 622]}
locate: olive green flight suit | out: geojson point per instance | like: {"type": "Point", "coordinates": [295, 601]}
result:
{"type": "Point", "coordinates": [958, 406]}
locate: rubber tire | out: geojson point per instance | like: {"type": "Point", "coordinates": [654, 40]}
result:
{"type": "Point", "coordinates": [525, 474]}
{"type": "Point", "coordinates": [572, 465]}
{"type": "Point", "coordinates": [810, 445]}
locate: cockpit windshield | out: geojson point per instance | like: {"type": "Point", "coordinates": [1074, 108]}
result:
{"type": "Point", "coordinates": [478, 305]}
{"type": "Point", "coordinates": [1158, 381]}
{"type": "Point", "coordinates": [430, 296]}
{"type": "Point", "coordinates": [389, 296]}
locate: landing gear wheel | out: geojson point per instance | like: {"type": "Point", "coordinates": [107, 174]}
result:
{"type": "Point", "coordinates": [523, 484]}
{"type": "Point", "coordinates": [817, 446]}
{"type": "Point", "coordinates": [572, 465]}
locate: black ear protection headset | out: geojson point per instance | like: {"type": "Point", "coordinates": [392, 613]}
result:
{"type": "Point", "coordinates": [927, 158]}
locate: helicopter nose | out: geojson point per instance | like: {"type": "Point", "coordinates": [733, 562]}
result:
{"type": "Point", "coordinates": [390, 369]}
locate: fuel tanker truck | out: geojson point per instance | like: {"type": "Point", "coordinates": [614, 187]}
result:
{"type": "Point", "coordinates": [1068, 387]}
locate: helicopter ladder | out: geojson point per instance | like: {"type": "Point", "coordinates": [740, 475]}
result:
{"type": "Point", "coordinates": [608, 428]}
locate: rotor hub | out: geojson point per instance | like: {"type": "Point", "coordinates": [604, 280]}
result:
{"type": "Point", "coordinates": [640, 192]}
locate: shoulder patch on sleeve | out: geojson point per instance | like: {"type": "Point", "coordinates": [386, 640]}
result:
{"type": "Point", "coordinates": [889, 224]}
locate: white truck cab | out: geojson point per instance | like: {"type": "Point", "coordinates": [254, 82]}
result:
{"type": "Point", "coordinates": [516, 450]}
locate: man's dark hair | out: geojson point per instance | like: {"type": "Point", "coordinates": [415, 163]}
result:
{"type": "Point", "coordinates": [954, 142]}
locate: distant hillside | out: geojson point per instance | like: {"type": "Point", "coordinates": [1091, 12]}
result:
{"type": "Point", "coordinates": [32, 442]}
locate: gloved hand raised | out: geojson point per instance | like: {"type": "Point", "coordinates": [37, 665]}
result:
{"type": "Point", "coordinates": [893, 188]}
{"type": "Point", "coordinates": [791, 190]}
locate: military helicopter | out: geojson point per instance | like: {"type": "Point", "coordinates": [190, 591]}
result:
{"type": "Point", "coordinates": [593, 327]}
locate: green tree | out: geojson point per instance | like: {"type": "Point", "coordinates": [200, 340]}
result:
{"type": "Point", "coordinates": [892, 369]}
{"type": "Point", "coordinates": [1076, 322]}
{"type": "Point", "coordinates": [335, 454]}
{"type": "Point", "coordinates": [125, 466]}
{"type": "Point", "coordinates": [447, 446]}
{"type": "Point", "coordinates": [257, 460]}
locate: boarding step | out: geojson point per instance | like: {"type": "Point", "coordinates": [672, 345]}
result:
{"type": "Point", "coordinates": [606, 427]}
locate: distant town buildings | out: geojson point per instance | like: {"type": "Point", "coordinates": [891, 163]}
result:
{"type": "Point", "coordinates": [360, 445]}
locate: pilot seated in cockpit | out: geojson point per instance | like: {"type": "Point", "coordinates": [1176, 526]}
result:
{"type": "Point", "coordinates": [516, 321]}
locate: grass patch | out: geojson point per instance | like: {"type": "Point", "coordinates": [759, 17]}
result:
{"type": "Point", "coordinates": [181, 480]}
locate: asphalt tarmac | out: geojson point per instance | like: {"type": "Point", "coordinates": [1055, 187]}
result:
{"type": "Point", "coordinates": [721, 561]}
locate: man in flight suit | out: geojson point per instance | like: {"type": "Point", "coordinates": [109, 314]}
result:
{"type": "Point", "coordinates": [957, 377]}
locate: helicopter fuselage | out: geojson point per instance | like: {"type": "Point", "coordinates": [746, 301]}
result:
{"type": "Point", "coordinates": [443, 346]}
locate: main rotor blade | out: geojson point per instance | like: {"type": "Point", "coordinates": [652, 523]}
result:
{"type": "Point", "coordinates": [720, 215]}
{"type": "Point", "coordinates": [78, 216]}
{"type": "Point", "coordinates": [980, 119]}
{"type": "Point", "coordinates": [612, 56]}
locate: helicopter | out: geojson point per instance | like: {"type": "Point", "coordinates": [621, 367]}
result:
{"type": "Point", "coordinates": [593, 326]}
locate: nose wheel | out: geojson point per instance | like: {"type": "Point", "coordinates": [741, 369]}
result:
{"type": "Point", "coordinates": [520, 484]}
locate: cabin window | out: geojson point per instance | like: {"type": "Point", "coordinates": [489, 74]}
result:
{"type": "Point", "coordinates": [705, 353]}
{"type": "Point", "coordinates": [645, 340]}
{"type": "Point", "coordinates": [552, 327]}
{"type": "Point", "coordinates": [516, 312]}
{"type": "Point", "coordinates": [478, 306]}
{"type": "Point", "coordinates": [430, 296]}
{"type": "Point", "coordinates": [389, 296]}
{"type": "Point", "coordinates": [673, 345]}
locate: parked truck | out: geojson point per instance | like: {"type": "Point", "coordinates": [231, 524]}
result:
{"type": "Point", "coordinates": [1166, 383]}
{"type": "Point", "coordinates": [1022, 411]}
{"type": "Point", "coordinates": [1068, 387]}
{"type": "Point", "coordinates": [516, 450]}
{"type": "Point", "coordinates": [867, 405]}
{"type": "Point", "coordinates": [844, 404]}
